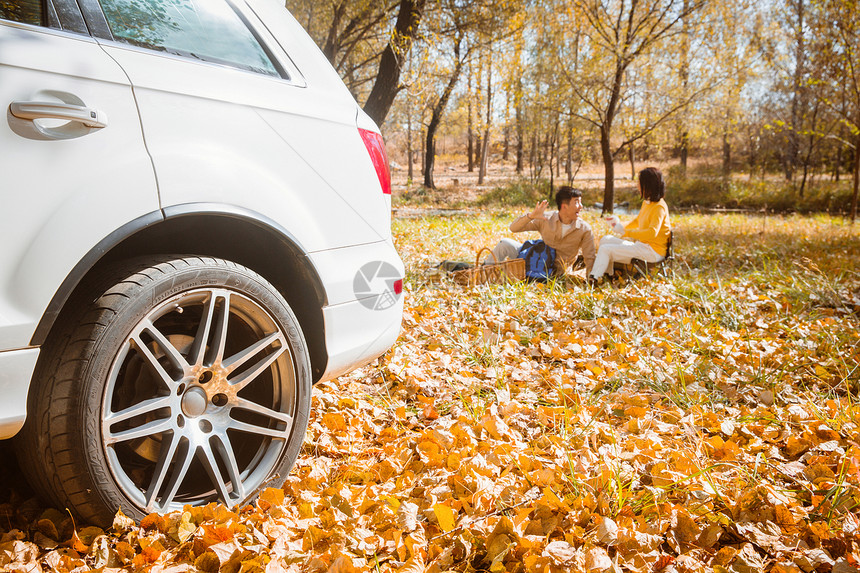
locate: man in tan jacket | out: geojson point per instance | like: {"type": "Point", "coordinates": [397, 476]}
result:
{"type": "Point", "coordinates": [564, 231]}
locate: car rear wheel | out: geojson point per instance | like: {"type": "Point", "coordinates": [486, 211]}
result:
{"type": "Point", "coordinates": [186, 381]}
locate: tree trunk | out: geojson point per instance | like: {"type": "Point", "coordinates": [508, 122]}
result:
{"type": "Point", "coordinates": [470, 151]}
{"type": "Point", "coordinates": [436, 119]}
{"type": "Point", "coordinates": [387, 82]}
{"type": "Point", "coordinates": [430, 156]}
{"type": "Point", "coordinates": [547, 152]}
{"type": "Point", "coordinates": [506, 143]}
{"type": "Point", "coordinates": [631, 155]}
{"type": "Point", "coordinates": [856, 178]}
{"type": "Point", "coordinates": [533, 155]}
{"type": "Point", "coordinates": [557, 139]}
{"type": "Point", "coordinates": [803, 179]}
{"type": "Point", "coordinates": [485, 151]}
{"type": "Point", "coordinates": [479, 141]}
{"type": "Point", "coordinates": [409, 151]}
{"type": "Point", "coordinates": [727, 154]}
{"type": "Point", "coordinates": [798, 101]}
{"type": "Point", "coordinates": [684, 143]}
{"type": "Point", "coordinates": [518, 117]}
{"type": "Point", "coordinates": [684, 152]}
{"type": "Point", "coordinates": [806, 165]}
{"type": "Point", "coordinates": [608, 171]}
{"type": "Point", "coordinates": [568, 161]}
{"type": "Point", "coordinates": [332, 43]}
{"type": "Point", "coordinates": [506, 131]}
{"type": "Point", "coordinates": [550, 143]}
{"type": "Point", "coordinates": [837, 163]}
{"type": "Point", "coordinates": [753, 154]}
{"type": "Point", "coordinates": [606, 140]}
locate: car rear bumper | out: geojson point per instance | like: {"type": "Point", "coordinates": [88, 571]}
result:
{"type": "Point", "coordinates": [16, 371]}
{"type": "Point", "coordinates": [363, 315]}
{"type": "Point", "coordinates": [353, 338]}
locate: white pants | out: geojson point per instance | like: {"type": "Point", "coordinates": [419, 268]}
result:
{"type": "Point", "coordinates": [504, 250]}
{"type": "Point", "coordinates": [613, 250]}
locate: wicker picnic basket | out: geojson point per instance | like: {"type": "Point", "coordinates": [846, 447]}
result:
{"type": "Point", "coordinates": [507, 271]}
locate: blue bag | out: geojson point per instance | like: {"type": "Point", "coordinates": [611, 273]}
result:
{"type": "Point", "coordinates": [540, 260]}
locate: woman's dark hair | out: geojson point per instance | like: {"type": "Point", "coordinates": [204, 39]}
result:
{"type": "Point", "coordinates": [565, 194]}
{"type": "Point", "coordinates": [651, 182]}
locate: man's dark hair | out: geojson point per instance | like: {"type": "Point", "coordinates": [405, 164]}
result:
{"type": "Point", "coordinates": [651, 181]}
{"type": "Point", "coordinates": [565, 194]}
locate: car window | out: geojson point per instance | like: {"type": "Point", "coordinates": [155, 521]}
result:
{"type": "Point", "coordinates": [212, 31]}
{"type": "Point", "coordinates": [26, 12]}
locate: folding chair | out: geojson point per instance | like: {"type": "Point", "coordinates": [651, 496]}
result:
{"type": "Point", "coordinates": [642, 268]}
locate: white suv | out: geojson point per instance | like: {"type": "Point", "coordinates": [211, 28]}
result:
{"type": "Point", "coordinates": [196, 227]}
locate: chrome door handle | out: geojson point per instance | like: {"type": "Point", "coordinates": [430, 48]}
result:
{"type": "Point", "coordinates": [55, 110]}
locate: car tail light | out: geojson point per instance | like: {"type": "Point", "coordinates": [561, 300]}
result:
{"type": "Point", "coordinates": [376, 148]}
{"type": "Point", "coordinates": [398, 286]}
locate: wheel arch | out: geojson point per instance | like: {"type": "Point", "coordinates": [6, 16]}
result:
{"type": "Point", "coordinates": [224, 231]}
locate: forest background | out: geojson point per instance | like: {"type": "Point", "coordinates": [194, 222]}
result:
{"type": "Point", "coordinates": [748, 104]}
{"type": "Point", "coordinates": [701, 421]}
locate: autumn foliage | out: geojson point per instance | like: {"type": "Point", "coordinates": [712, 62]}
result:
{"type": "Point", "coordinates": [702, 422]}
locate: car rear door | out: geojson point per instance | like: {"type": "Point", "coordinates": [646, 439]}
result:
{"type": "Point", "coordinates": [73, 167]}
{"type": "Point", "coordinates": [230, 120]}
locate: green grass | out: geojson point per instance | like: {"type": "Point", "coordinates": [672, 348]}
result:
{"type": "Point", "coordinates": [774, 196]}
{"type": "Point", "coordinates": [702, 189]}
{"type": "Point", "coordinates": [757, 299]}
{"type": "Point", "coordinates": [520, 192]}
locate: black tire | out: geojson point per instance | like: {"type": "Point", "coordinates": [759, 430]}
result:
{"type": "Point", "coordinates": [185, 381]}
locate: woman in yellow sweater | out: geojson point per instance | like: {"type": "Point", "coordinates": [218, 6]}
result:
{"type": "Point", "coordinates": [645, 237]}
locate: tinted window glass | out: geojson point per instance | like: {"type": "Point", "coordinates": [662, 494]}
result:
{"type": "Point", "coordinates": [210, 31]}
{"type": "Point", "coordinates": [25, 12]}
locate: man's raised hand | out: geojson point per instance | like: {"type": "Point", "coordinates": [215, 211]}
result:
{"type": "Point", "coordinates": [538, 212]}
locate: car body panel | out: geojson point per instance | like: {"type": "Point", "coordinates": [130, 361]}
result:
{"type": "Point", "coordinates": [15, 365]}
{"type": "Point", "coordinates": [266, 144]}
{"type": "Point", "coordinates": [59, 190]}
{"type": "Point", "coordinates": [350, 346]}
{"type": "Point", "coordinates": [339, 267]}
{"type": "Point", "coordinates": [181, 134]}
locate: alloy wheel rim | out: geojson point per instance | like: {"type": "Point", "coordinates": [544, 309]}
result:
{"type": "Point", "coordinates": [199, 402]}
